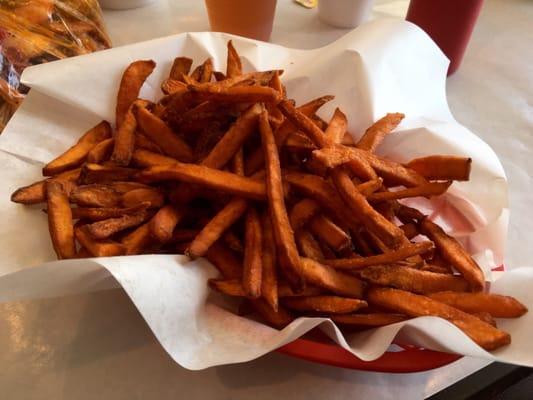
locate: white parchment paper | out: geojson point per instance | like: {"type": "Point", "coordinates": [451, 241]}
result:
{"type": "Point", "coordinates": [383, 66]}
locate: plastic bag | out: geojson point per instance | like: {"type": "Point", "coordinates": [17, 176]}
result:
{"type": "Point", "coordinates": [37, 31]}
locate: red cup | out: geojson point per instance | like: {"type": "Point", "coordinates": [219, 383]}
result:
{"type": "Point", "coordinates": [449, 23]}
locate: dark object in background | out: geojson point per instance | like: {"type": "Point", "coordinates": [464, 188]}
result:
{"type": "Point", "coordinates": [449, 23]}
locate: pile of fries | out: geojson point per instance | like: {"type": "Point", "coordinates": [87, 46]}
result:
{"type": "Point", "coordinates": [298, 219]}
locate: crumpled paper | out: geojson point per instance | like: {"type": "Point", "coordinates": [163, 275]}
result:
{"type": "Point", "coordinates": [383, 66]}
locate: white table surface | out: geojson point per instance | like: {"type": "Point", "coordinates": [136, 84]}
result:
{"type": "Point", "coordinates": [97, 345]}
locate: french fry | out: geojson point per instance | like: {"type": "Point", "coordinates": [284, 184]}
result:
{"type": "Point", "coordinates": [214, 229]}
{"type": "Point", "coordinates": [233, 63]}
{"type": "Point", "coordinates": [337, 126]}
{"type": "Point", "coordinates": [98, 248]}
{"type": "Point", "coordinates": [235, 94]}
{"type": "Point", "coordinates": [183, 235]}
{"type": "Point", "coordinates": [279, 318]}
{"type": "Point", "coordinates": [496, 305]}
{"type": "Point", "coordinates": [108, 227]}
{"type": "Point", "coordinates": [95, 195]}
{"type": "Point", "coordinates": [173, 86]}
{"type": "Point", "coordinates": [324, 304]}
{"type": "Point", "coordinates": [401, 254]}
{"type": "Point", "coordinates": [368, 320]}
{"type": "Point", "coordinates": [298, 142]}
{"type": "Point", "coordinates": [36, 192]}
{"type": "Point", "coordinates": [393, 173]}
{"type": "Point", "coordinates": [96, 173]}
{"type": "Point", "coordinates": [208, 177]}
{"type": "Point", "coordinates": [413, 280]}
{"type": "Point", "coordinates": [230, 287]}
{"type": "Point", "coordinates": [75, 155]}
{"type": "Point", "coordinates": [233, 241]}
{"type": "Point", "coordinates": [308, 245]}
{"type": "Point", "coordinates": [369, 187]}
{"type": "Point", "coordinates": [181, 65]}
{"type": "Point", "coordinates": [486, 317]}
{"type": "Point", "coordinates": [237, 163]}
{"type": "Point", "coordinates": [123, 187]}
{"type": "Point", "coordinates": [453, 252]}
{"type": "Point", "coordinates": [253, 250]}
{"type": "Point", "coordinates": [234, 138]}
{"type": "Point", "coordinates": [157, 131]}
{"type": "Point", "coordinates": [60, 221]}
{"type": "Point", "coordinates": [326, 277]}
{"type": "Point", "coordinates": [269, 284]}
{"type": "Point", "coordinates": [125, 136]}
{"type": "Point", "coordinates": [287, 252]}
{"type": "Point", "coordinates": [101, 152]}
{"type": "Point", "coordinates": [326, 230]}
{"type": "Point", "coordinates": [284, 290]}
{"type": "Point", "coordinates": [130, 85]}
{"type": "Point", "coordinates": [101, 213]}
{"type": "Point", "coordinates": [146, 158]}
{"type": "Point", "coordinates": [203, 72]}
{"type": "Point", "coordinates": [369, 217]}
{"type": "Point", "coordinates": [374, 135]}
{"type": "Point", "coordinates": [442, 167]}
{"type": "Point", "coordinates": [225, 261]}
{"type": "Point", "coordinates": [164, 221]}
{"type": "Point", "coordinates": [427, 190]}
{"type": "Point", "coordinates": [137, 241]}
{"type": "Point", "coordinates": [414, 305]}
{"type": "Point", "coordinates": [142, 142]}
{"type": "Point", "coordinates": [410, 230]}
{"type": "Point", "coordinates": [302, 212]}
{"type": "Point", "coordinates": [152, 196]}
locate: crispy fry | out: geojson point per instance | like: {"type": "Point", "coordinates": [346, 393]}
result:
{"type": "Point", "coordinates": [105, 228]}
{"type": "Point", "coordinates": [235, 94]}
{"type": "Point", "coordinates": [101, 213]}
{"type": "Point", "coordinates": [125, 136]}
{"type": "Point", "coordinates": [427, 190]}
{"type": "Point", "coordinates": [253, 253]}
{"type": "Point", "coordinates": [95, 195]}
{"type": "Point", "coordinates": [278, 319]}
{"type": "Point", "coordinates": [96, 173]}
{"type": "Point", "coordinates": [413, 280]}
{"type": "Point", "coordinates": [173, 86]}
{"type": "Point", "coordinates": [101, 152]}
{"type": "Point", "coordinates": [453, 252]}
{"type": "Point", "coordinates": [369, 320]}
{"type": "Point", "coordinates": [164, 221]}
{"type": "Point", "coordinates": [269, 284]}
{"type": "Point", "coordinates": [181, 65]}
{"type": "Point", "coordinates": [337, 126]}
{"type": "Point", "coordinates": [98, 248]}
{"type": "Point", "coordinates": [137, 241]}
{"type": "Point", "coordinates": [324, 304]}
{"type": "Point", "coordinates": [225, 261]}
{"type": "Point", "coordinates": [233, 64]}
{"type": "Point", "coordinates": [237, 163]}
{"type": "Point", "coordinates": [442, 167]}
{"type": "Point", "coordinates": [75, 155]}
{"type": "Point", "coordinates": [410, 230]}
{"type": "Point", "coordinates": [123, 187]}
{"type": "Point", "coordinates": [387, 258]}
{"type": "Point", "coordinates": [369, 187]}
{"type": "Point", "coordinates": [369, 217]}
{"type": "Point", "coordinates": [230, 287]}
{"type": "Point", "coordinates": [393, 173]}
{"type": "Point", "coordinates": [234, 138]}
{"type": "Point", "coordinates": [308, 246]}
{"type": "Point", "coordinates": [60, 221]}
{"type": "Point", "coordinates": [36, 192]}
{"type": "Point", "coordinates": [302, 212]}
{"type": "Point", "coordinates": [486, 317]}
{"type": "Point", "coordinates": [214, 229]}
{"type": "Point", "coordinates": [157, 131]}
{"type": "Point", "coordinates": [142, 142]}
{"type": "Point", "coordinates": [298, 142]}
{"type": "Point", "coordinates": [208, 177]}
{"type": "Point", "coordinates": [377, 132]}
{"type": "Point", "coordinates": [414, 305]}
{"type": "Point", "coordinates": [135, 197]}
{"type": "Point", "coordinates": [287, 252]}
{"type": "Point", "coordinates": [145, 158]}
{"type": "Point", "coordinates": [496, 305]}
{"type": "Point", "coordinates": [326, 277]}
{"type": "Point", "coordinates": [203, 72]}
{"type": "Point", "coordinates": [130, 85]}
{"type": "Point", "coordinates": [326, 230]}
{"type": "Point", "coordinates": [284, 290]}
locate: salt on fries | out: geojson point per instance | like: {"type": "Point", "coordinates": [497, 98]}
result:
{"type": "Point", "coordinates": [299, 219]}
